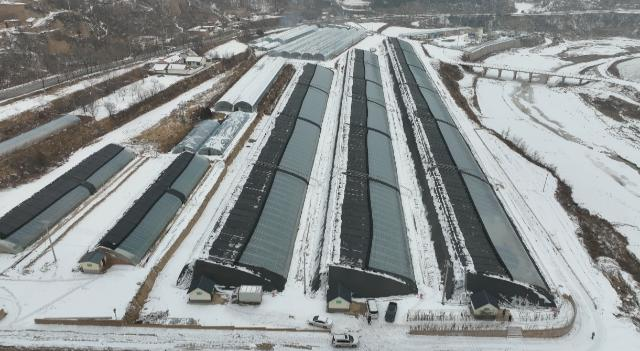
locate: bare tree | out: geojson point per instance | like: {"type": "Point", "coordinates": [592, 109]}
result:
{"type": "Point", "coordinates": [111, 108]}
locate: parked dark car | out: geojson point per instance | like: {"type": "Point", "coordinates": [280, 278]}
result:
{"type": "Point", "coordinates": [390, 316]}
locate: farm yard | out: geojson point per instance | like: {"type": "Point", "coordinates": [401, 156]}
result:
{"type": "Point", "coordinates": [281, 181]}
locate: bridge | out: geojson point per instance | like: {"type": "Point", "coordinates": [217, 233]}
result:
{"type": "Point", "coordinates": [543, 76]}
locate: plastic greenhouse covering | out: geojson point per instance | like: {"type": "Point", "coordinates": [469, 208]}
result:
{"type": "Point", "coordinates": [491, 239]}
{"type": "Point", "coordinates": [220, 140]}
{"type": "Point", "coordinates": [322, 44]}
{"type": "Point", "coordinates": [145, 221]}
{"type": "Point", "coordinates": [262, 226]}
{"type": "Point", "coordinates": [373, 234]}
{"type": "Point", "coordinates": [197, 136]}
{"type": "Point", "coordinates": [37, 134]}
{"type": "Point", "coordinates": [246, 94]}
{"type": "Point", "coordinates": [30, 220]}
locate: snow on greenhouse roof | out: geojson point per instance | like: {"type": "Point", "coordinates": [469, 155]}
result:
{"type": "Point", "coordinates": [145, 221]}
{"type": "Point", "coordinates": [373, 233]}
{"type": "Point", "coordinates": [246, 94]}
{"type": "Point", "coordinates": [221, 138]}
{"type": "Point", "coordinates": [490, 237]}
{"type": "Point", "coordinates": [27, 222]}
{"type": "Point", "coordinates": [323, 44]}
{"type": "Point", "coordinates": [261, 228]}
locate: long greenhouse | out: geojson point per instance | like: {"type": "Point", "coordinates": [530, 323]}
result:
{"type": "Point", "coordinates": [129, 240]}
{"type": "Point", "coordinates": [322, 44]}
{"type": "Point", "coordinates": [30, 220]}
{"type": "Point", "coordinates": [491, 247]}
{"type": "Point", "coordinates": [246, 94]}
{"type": "Point", "coordinates": [255, 244]}
{"type": "Point", "coordinates": [373, 243]}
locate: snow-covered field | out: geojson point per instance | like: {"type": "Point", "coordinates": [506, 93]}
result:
{"type": "Point", "coordinates": [593, 153]}
{"type": "Point", "coordinates": [630, 70]}
{"type": "Point", "coordinates": [44, 98]}
{"type": "Point", "coordinates": [127, 96]}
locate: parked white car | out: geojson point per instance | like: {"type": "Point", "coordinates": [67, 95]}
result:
{"type": "Point", "coordinates": [322, 322]}
{"type": "Point", "coordinates": [344, 340]}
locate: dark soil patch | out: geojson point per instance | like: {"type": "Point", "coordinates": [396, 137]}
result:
{"type": "Point", "coordinates": [613, 107]}
{"type": "Point", "coordinates": [450, 75]}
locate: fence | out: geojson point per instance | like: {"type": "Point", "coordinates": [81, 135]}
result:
{"type": "Point", "coordinates": [535, 323]}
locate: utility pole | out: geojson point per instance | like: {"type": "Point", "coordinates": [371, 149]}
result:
{"type": "Point", "coordinates": [55, 259]}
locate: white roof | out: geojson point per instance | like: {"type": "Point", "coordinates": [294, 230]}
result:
{"type": "Point", "coordinates": [177, 66]}
{"type": "Point", "coordinates": [250, 288]}
{"type": "Point", "coordinates": [159, 66]}
{"type": "Point", "coordinates": [254, 84]}
{"type": "Point", "coordinates": [194, 59]}
{"type": "Point", "coordinates": [173, 59]}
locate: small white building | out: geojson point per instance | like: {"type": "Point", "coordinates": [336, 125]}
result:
{"type": "Point", "coordinates": [201, 290]}
{"type": "Point", "coordinates": [484, 305]}
{"type": "Point", "coordinates": [338, 298]}
{"type": "Point", "coordinates": [93, 262]}
{"type": "Point", "coordinates": [195, 61]}
{"type": "Point", "coordinates": [250, 294]}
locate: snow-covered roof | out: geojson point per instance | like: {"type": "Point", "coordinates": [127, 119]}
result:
{"type": "Point", "coordinates": [268, 235]}
{"type": "Point", "coordinates": [194, 59]}
{"type": "Point", "coordinates": [144, 222]}
{"type": "Point", "coordinates": [291, 34]}
{"type": "Point", "coordinates": [226, 50]}
{"type": "Point", "coordinates": [323, 44]}
{"type": "Point", "coordinates": [159, 67]}
{"type": "Point", "coordinates": [31, 219]}
{"type": "Point", "coordinates": [177, 66]}
{"type": "Point", "coordinates": [221, 138]}
{"type": "Point", "coordinates": [249, 90]}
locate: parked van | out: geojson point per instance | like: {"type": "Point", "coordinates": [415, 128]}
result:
{"type": "Point", "coordinates": [372, 308]}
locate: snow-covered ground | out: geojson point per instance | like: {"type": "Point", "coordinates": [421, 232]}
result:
{"type": "Point", "coordinates": [554, 122]}
{"type": "Point", "coordinates": [630, 70]}
{"type": "Point", "coordinates": [127, 96]}
{"type": "Point", "coordinates": [44, 98]}
{"type": "Point", "coordinates": [546, 228]}
{"type": "Point", "coordinates": [226, 50]}
{"type": "Point", "coordinates": [524, 7]}
{"type": "Point", "coordinates": [72, 293]}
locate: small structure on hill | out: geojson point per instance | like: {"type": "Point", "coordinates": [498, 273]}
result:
{"type": "Point", "coordinates": [338, 298]}
{"type": "Point", "coordinates": [484, 305]}
{"type": "Point", "coordinates": [201, 290]}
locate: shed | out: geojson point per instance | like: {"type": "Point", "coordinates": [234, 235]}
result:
{"type": "Point", "coordinates": [338, 298]}
{"type": "Point", "coordinates": [159, 67]}
{"type": "Point", "coordinates": [93, 262]}
{"type": "Point", "coordinates": [484, 305]}
{"type": "Point", "coordinates": [195, 61]}
{"type": "Point", "coordinates": [201, 290]}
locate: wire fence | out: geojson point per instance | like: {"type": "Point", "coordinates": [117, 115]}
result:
{"type": "Point", "coordinates": [535, 322]}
